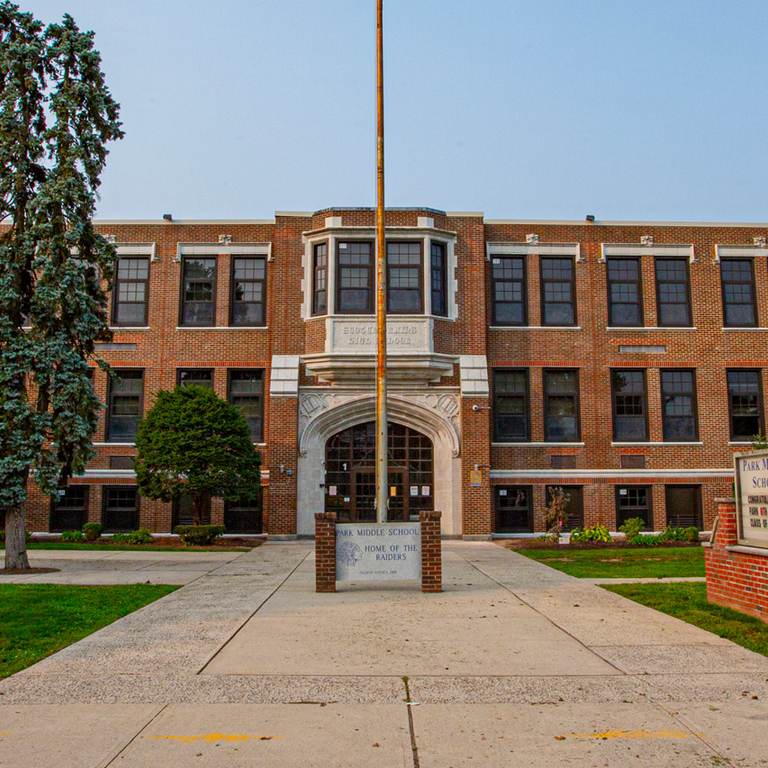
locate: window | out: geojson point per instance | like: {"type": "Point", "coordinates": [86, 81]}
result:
{"type": "Point", "coordinates": [120, 512]}
{"type": "Point", "coordinates": [673, 292]}
{"type": "Point", "coordinates": [561, 406]}
{"type": "Point", "coordinates": [320, 279]}
{"type": "Point", "coordinates": [70, 512]}
{"type": "Point", "coordinates": [511, 419]}
{"type": "Point", "coordinates": [508, 304]}
{"type": "Point", "coordinates": [126, 405]}
{"type": "Point", "coordinates": [355, 278]}
{"type": "Point", "coordinates": [574, 506]}
{"type": "Point", "coordinates": [246, 392]}
{"type": "Point", "coordinates": [558, 295]}
{"type": "Point", "coordinates": [630, 406]}
{"type": "Point", "coordinates": [404, 273]}
{"type": "Point", "coordinates": [678, 406]}
{"type": "Point", "coordinates": [203, 377]}
{"type": "Point", "coordinates": [514, 509]}
{"type": "Point", "coordinates": [745, 404]}
{"type": "Point", "coordinates": [684, 506]}
{"type": "Point", "coordinates": [248, 288]}
{"type": "Point", "coordinates": [439, 279]}
{"type": "Point", "coordinates": [198, 292]}
{"type": "Point", "coordinates": [634, 501]}
{"type": "Point", "coordinates": [183, 513]}
{"type": "Point", "coordinates": [243, 516]}
{"type": "Point", "coordinates": [625, 306]}
{"type": "Point", "coordinates": [130, 295]}
{"type": "Point", "coordinates": [738, 279]}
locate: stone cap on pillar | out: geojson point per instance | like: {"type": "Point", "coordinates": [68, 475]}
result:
{"type": "Point", "coordinates": [429, 514]}
{"type": "Point", "coordinates": [725, 501]}
{"type": "Point", "coordinates": [325, 516]}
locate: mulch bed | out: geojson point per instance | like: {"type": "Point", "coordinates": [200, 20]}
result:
{"type": "Point", "coordinates": [25, 571]}
{"type": "Point", "coordinates": [539, 544]}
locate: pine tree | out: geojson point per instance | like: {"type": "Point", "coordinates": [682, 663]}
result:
{"type": "Point", "coordinates": [193, 442]}
{"type": "Point", "coordinates": [56, 116]}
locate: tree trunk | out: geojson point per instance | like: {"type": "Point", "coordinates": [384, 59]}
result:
{"type": "Point", "coordinates": [16, 538]}
{"type": "Point", "coordinates": [199, 506]}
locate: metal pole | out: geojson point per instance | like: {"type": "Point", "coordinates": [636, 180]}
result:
{"type": "Point", "coordinates": [381, 286]}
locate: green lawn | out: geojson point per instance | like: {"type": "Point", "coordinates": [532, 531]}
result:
{"type": "Point", "coordinates": [622, 563]}
{"type": "Point", "coordinates": [37, 620]}
{"type": "Point", "coordinates": [688, 601]}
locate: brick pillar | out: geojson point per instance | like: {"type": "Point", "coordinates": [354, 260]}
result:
{"type": "Point", "coordinates": [431, 552]}
{"type": "Point", "coordinates": [727, 535]}
{"type": "Point", "coordinates": [325, 551]}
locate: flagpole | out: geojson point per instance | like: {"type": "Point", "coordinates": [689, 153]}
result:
{"type": "Point", "coordinates": [381, 285]}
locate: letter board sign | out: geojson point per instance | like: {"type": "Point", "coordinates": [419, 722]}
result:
{"type": "Point", "coordinates": [752, 498]}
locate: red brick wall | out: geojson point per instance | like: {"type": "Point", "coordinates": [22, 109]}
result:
{"type": "Point", "coordinates": [431, 552]}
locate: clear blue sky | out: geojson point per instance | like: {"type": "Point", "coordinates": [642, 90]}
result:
{"type": "Point", "coordinates": [552, 109]}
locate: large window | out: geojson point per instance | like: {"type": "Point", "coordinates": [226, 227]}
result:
{"type": "Point", "coordinates": [120, 512]}
{"type": "Point", "coordinates": [203, 377]}
{"type": "Point", "coordinates": [248, 289]}
{"type": "Point", "coordinates": [634, 501]}
{"type": "Point", "coordinates": [678, 406]}
{"type": "Point", "coordinates": [684, 506]}
{"type": "Point", "coordinates": [630, 406]}
{"type": "Point", "coordinates": [514, 509]}
{"type": "Point", "coordinates": [320, 279]}
{"type": "Point", "coordinates": [126, 405]}
{"type": "Point", "coordinates": [70, 512]}
{"type": "Point", "coordinates": [558, 294]}
{"type": "Point", "coordinates": [354, 278]}
{"type": "Point", "coordinates": [511, 412]}
{"type": "Point", "coordinates": [246, 392]}
{"type": "Point", "coordinates": [673, 292]}
{"type": "Point", "coordinates": [404, 274]}
{"type": "Point", "coordinates": [738, 280]}
{"type": "Point", "coordinates": [561, 406]}
{"type": "Point", "coordinates": [243, 516]}
{"type": "Point", "coordinates": [198, 292]}
{"type": "Point", "coordinates": [745, 404]}
{"type": "Point", "coordinates": [131, 291]}
{"type": "Point", "coordinates": [625, 305]}
{"type": "Point", "coordinates": [439, 279]}
{"type": "Point", "coordinates": [574, 507]}
{"type": "Point", "coordinates": [183, 512]}
{"type": "Point", "coordinates": [508, 304]}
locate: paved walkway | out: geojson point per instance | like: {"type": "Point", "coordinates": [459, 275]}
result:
{"type": "Point", "coordinates": [515, 664]}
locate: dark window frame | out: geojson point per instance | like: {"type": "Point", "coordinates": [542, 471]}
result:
{"type": "Point", "coordinates": [232, 373]}
{"type": "Point", "coordinates": [528, 490]}
{"type": "Point", "coordinates": [615, 393]}
{"type": "Point", "coordinates": [760, 410]}
{"type": "Point", "coordinates": [574, 520]}
{"type": "Point", "coordinates": [694, 404]}
{"type": "Point", "coordinates": [107, 490]}
{"type": "Point", "coordinates": [621, 519]}
{"type": "Point", "coordinates": [543, 283]}
{"type": "Point", "coordinates": [420, 272]}
{"type": "Point", "coordinates": [110, 404]}
{"type": "Point", "coordinates": [497, 436]}
{"type": "Point", "coordinates": [181, 371]}
{"type": "Point", "coordinates": [371, 278]}
{"type": "Point", "coordinates": [576, 401]}
{"type": "Point", "coordinates": [442, 270]}
{"type": "Point", "coordinates": [214, 288]}
{"type": "Point", "coordinates": [232, 283]}
{"type": "Point", "coordinates": [638, 282]}
{"type": "Point", "coordinates": [753, 288]}
{"type": "Point", "coordinates": [316, 308]}
{"type": "Point", "coordinates": [524, 280]}
{"type": "Point", "coordinates": [698, 519]}
{"type": "Point", "coordinates": [688, 296]}
{"type": "Point", "coordinates": [233, 509]}
{"type": "Point", "coordinates": [55, 507]}
{"type": "Point", "coordinates": [116, 292]}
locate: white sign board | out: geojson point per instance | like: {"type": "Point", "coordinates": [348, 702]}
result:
{"type": "Point", "coordinates": [378, 552]}
{"type": "Point", "coordinates": [752, 498]}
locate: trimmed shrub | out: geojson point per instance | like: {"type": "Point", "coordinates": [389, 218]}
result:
{"type": "Point", "coordinates": [142, 536]}
{"type": "Point", "coordinates": [595, 533]}
{"type": "Point", "coordinates": [632, 527]}
{"type": "Point", "coordinates": [691, 533]}
{"type": "Point", "coordinates": [92, 531]}
{"type": "Point", "coordinates": [72, 536]}
{"type": "Point", "coordinates": [199, 535]}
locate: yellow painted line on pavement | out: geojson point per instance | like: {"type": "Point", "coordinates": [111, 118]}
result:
{"type": "Point", "coordinates": [210, 737]}
{"type": "Point", "coordinates": [628, 735]}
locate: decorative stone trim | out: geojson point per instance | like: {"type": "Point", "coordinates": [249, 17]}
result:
{"type": "Point", "coordinates": [284, 376]}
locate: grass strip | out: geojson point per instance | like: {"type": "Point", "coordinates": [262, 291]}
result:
{"type": "Point", "coordinates": [127, 547]}
{"type": "Point", "coordinates": [639, 563]}
{"type": "Point", "coordinates": [688, 601]}
{"type": "Point", "coordinates": [37, 620]}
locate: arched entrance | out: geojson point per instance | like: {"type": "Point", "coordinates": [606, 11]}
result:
{"type": "Point", "coordinates": [350, 473]}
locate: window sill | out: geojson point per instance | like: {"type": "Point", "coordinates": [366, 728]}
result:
{"type": "Point", "coordinates": [114, 445]}
{"type": "Point", "coordinates": [372, 316]}
{"type": "Point", "coordinates": [657, 444]}
{"type": "Point", "coordinates": [222, 327]}
{"type": "Point", "coordinates": [743, 328]}
{"type": "Point", "coordinates": [535, 445]}
{"type": "Point", "coordinates": [535, 328]}
{"type": "Point", "coordinates": [646, 328]}
{"type": "Point", "coordinates": [739, 442]}
{"type": "Point", "coordinates": [129, 328]}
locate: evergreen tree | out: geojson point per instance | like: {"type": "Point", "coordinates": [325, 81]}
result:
{"type": "Point", "coordinates": [193, 442]}
{"type": "Point", "coordinates": [56, 115]}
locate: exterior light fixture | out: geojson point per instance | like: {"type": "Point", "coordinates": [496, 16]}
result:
{"type": "Point", "coordinates": [590, 218]}
{"type": "Point", "coordinates": [168, 216]}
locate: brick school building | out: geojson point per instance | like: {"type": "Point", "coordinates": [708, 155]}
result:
{"type": "Point", "coordinates": [621, 361]}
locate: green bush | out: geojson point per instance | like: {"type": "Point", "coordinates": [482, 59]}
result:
{"type": "Point", "coordinates": [674, 534]}
{"type": "Point", "coordinates": [199, 535]}
{"type": "Point", "coordinates": [595, 533]}
{"type": "Point", "coordinates": [119, 538]}
{"type": "Point", "coordinates": [691, 533]}
{"type": "Point", "coordinates": [647, 541]}
{"type": "Point", "coordinates": [92, 531]}
{"type": "Point", "coordinates": [632, 527]}
{"type": "Point", "coordinates": [142, 536]}
{"type": "Point", "coordinates": [72, 536]}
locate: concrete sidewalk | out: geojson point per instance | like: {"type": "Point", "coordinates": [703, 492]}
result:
{"type": "Point", "coordinates": [515, 664]}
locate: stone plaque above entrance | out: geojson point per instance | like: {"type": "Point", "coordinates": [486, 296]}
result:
{"type": "Point", "coordinates": [358, 335]}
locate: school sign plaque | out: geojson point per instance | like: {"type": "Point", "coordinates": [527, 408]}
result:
{"type": "Point", "coordinates": [752, 498]}
{"type": "Point", "coordinates": [378, 552]}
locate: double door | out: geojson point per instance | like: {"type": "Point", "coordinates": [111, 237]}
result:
{"type": "Point", "coordinates": [364, 496]}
